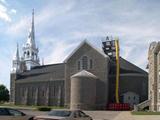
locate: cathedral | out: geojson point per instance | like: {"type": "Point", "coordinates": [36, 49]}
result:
{"type": "Point", "coordinates": [85, 80]}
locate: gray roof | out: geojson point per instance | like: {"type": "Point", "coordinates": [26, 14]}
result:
{"type": "Point", "coordinates": [128, 68]}
{"type": "Point", "coordinates": [84, 73]}
{"type": "Point", "coordinates": [45, 72]}
{"type": "Point", "coordinates": [54, 72]}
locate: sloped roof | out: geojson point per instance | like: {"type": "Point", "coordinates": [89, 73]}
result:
{"type": "Point", "coordinates": [45, 72]}
{"type": "Point", "coordinates": [84, 73]}
{"type": "Point", "coordinates": [80, 45]}
{"type": "Point", "coordinates": [127, 67]}
{"type": "Point", "coordinates": [124, 64]}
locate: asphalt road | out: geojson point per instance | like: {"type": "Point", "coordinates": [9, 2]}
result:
{"type": "Point", "coordinates": [107, 115]}
{"type": "Point", "coordinates": [96, 115]}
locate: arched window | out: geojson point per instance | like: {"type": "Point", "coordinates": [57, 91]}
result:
{"type": "Point", "coordinates": [32, 53]}
{"type": "Point", "coordinates": [24, 54]}
{"type": "Point", "coordinates": [27, 53]}
{"type": "Point", "coordinates": [35, 56]}
{"type": "Point", "coordinates": [84, 62]}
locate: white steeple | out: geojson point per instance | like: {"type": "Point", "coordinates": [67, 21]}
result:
{"type": "Point", "coordinates": [16, 61]}
{"type": "Point", "coordinates": [16, 55]}
{"type": "Point", "coordinates": [30, 51]}
{"type": "Point", "coordinates": [31, 36]}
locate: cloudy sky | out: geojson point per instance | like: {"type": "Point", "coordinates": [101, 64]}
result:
{"type": "Point", "coordinates": [62, 24]}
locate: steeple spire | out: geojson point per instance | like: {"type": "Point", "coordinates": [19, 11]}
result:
{"type": "Point", "coordinates": [30, 50]}
{"type": "Point", "coordinates": [31, 36]}
{"type": "Point", "coordinates": [16, 61]}
{"type": "Point", "coordinates": [16, 57]}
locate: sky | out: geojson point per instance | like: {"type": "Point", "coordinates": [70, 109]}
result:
{"type": "Point", "coordinates": [61, 25]}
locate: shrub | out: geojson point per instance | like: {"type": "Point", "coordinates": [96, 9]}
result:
{"type": "Point", "coordinates": [44, 108]}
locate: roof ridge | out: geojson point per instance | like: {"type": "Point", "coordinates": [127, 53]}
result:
{"type": "Point", "coordinates": [80, 45]}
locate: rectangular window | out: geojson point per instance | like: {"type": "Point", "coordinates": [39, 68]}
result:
{"type": "Point", "coordinates": [91, 64]}
{"type": "Point", "coordinates": [79, 65]}
{"type": "Point", "coordinates": [33, 91]}
{"type": "Point", "coordinates": [85, 62]}
{"type": "Point", "coordinates": [23, 92]}
{"type": "Point", "coordinates": [43, 93]}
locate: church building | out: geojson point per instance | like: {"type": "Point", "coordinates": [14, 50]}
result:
{"type": "Point", "coordinates": [85, 80]}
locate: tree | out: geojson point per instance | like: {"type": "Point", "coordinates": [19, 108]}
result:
{"type": "Point", "coordinates": [4, 93]}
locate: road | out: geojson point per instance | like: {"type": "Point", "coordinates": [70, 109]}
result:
{"type": "Point", "coordinates": [107, 115]}
{"type": "Point", "coordinates": [96, 115]}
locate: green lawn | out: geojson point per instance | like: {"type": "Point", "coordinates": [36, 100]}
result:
{"type": "Point", "coordinates": [144, 113]}
{"type": "Point", "coordinates": [28, 107]}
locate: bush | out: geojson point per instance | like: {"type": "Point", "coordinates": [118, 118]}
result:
{"type": "Point", "coordinates": [44, 108]}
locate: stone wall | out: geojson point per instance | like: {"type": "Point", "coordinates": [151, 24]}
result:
{"type": "Point", "coordinates": [49, 93]}
{"type": "Point", "coordinates": [100, 69]}
{"type": "Point", "coordinates": [154, 76]}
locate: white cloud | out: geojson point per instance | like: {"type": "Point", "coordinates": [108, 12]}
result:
{"type": "Point", "coordinates": [58, 51]}
{"type": "Point", "coordinates": [19, 28]}
{"type": "Point", "coordinates": [13, 11]}
{"type": "Point", "coordinates": [3, 1]}
{"type": "Point", "coordinates": [3, 14]}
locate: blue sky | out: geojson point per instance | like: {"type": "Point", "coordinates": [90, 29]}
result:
{"type": "Point", "coordinates": [62, 24]}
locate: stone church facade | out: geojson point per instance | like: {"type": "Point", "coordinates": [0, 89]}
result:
{"type": "Point", "coordinates": [86, 74]}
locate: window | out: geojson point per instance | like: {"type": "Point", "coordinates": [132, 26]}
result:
{"type": "Point", "coordinates": [128, 97]}
{"type": "Point", "coordinates": [79, 65]}
{"type": "Point", "coordinates": [15, 112]}
{"type": "Point", "coordinates": [28, 54]}
{"type": "Point", "coordinates": [91, 64]}
{"type": "Point", "coordinates": [33, 54]}
{"type": "Point", "coordinates": [134, 98]}
{"type": "Point", "coordinates": [76, 114]}
{"type": "Point", "coordinates": [84, 62]}
{"type": "Point", "coordinates": [43, 93]}
{"type": "Point", "coordinates": [59, 113]}
{"type": "Point", "coordinates": [23, 92]}
{"type": "Point", "coordinates": [81, 114]}
{"type": "Point", "coordinates": [32, 93]}
{"type": "Point", "coordinates": [54, 90]}
{"type": "Point", "coordinates": [3, 112]}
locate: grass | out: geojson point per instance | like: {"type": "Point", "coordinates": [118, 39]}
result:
{"type": "Point", "coordinates": [144, 113]}
{"type": "Point", "coordinates": [33, 107]}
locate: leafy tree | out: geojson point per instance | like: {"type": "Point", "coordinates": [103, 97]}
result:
{"type": "Point", "coordinates": [4, 93]}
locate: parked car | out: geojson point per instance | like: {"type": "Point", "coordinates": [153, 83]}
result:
{"type": "Point", "coordinates": [64, 115]}
{"type": "Point", "coordinates": [12, 114]}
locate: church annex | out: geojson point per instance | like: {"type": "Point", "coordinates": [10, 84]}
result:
{"type": "Point", "coordinates": [85, 80]}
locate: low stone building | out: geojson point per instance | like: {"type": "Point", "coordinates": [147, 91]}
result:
{"type": "Point", "coordinates": [55, 84]}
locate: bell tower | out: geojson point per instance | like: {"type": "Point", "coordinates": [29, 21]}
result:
{"type": "Point", "coordinates": [30, 50]}
{"type": "Point", "coordinates": [16, 62]}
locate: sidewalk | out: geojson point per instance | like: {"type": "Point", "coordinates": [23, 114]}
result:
{"type": "Point", "coordinates": [128, 116]}
{"type": "Point", "coordinates": [125, 115]}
